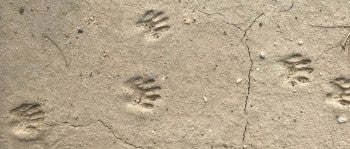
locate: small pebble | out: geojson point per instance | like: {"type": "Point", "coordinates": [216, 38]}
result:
{"type": "Point", "coordinates": [104, 54]}
{"type": "Point", "coordinates": [205, 99]}
{"type": "Point", "coordinates": [238, 80]}
{"type": "Point", "coordinates": [342, 119]}
{"type": "Point", "coordinates": [262, 55]}
{"type": "Point", "coordinates": [300, 42]}
{"type": "Point", "coordinates": [188, 21]}
{"type": "Point", "coordinates": [275, 43]}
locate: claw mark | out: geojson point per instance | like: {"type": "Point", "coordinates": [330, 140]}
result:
{"type": "Point", "coordinates": [146, 90]}
{"type": "Point", "coordinates": [153, 24]}
{"type": "Point", "coordinates": [59, 49]}
{"type": "Point", "coordinates": [27, 121]}
{"type": "Point", "coordinates": [299, 68]}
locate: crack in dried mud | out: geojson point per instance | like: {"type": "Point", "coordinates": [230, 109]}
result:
{"type": "Point", "coordinates": [244, 41]}
{"type": "Point", "coordinates": [116, 137]}
{"type": "Point", "coordinates": [288, 9]}
{"type": "Point", "coordinates": [251, 24]}
{"type": "Point", "coordinates": [249, 76]}
{"type": "Point", "coordinates": [244, 132]}
{"type": "Point", "coordinates": [248, 92]}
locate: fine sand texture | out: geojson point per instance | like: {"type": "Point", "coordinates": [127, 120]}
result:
{"type": "Point", "coordinates": [175, 74]}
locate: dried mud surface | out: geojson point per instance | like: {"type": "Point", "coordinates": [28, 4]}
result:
{"type": "Point", "coordinates": [174, 74]}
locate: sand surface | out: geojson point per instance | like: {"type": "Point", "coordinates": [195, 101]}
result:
{"type": "Point", "coordinates": [175, 74]}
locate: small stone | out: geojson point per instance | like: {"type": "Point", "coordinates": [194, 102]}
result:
{"type": "Point", "coordinates": [104, 54]}
{"type": "Point", "coordinates": [275, 43]}
{"type": "Point", "coordinates": [300, 42]}
{"type": "Point", "coordinates": [238, 80]}
{"type": "Point", "coordinates": [205, 99]}
{"type": "Point", "coordinates": [188, 21]}
{"type": "Point", "coordinates": [342, 119]}
{"type": "Point", "coordinates": [321, 73]}
{"type": "Point", "coordinates": [262, 55]}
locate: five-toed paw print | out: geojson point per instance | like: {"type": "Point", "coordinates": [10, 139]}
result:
{"type": "Point", "coordinates": [145, 91]}
{"type": "Point", "coordinates": [343, 96]}
{"type": "Point", "coordinates": [153, 24]}
{"type": "Point", "coordinates": [27, 120]}
{"type": "Point", "coordinates": [299, 68]}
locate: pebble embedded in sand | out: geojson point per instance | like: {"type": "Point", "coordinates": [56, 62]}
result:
{"type": "Point", "coordinates": [342, 119]}
{"type": "Point", "coordinates": [238, 80]}
{"type": "Point", "coordinates": [188, 21]}
{"type": "Point", "coordinates": [205, 99]}
{"type": "Point", "coordinates": [262, 55]}
{"type": "Point", "coordinates": [300, 42]}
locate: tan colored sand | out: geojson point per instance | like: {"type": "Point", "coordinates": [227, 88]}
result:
{"type": "Point", "coordinates": [174, 74]}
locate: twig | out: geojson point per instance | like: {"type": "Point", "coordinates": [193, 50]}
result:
{"type": "Point", "coordinates": [343, 45]}
{"type": "Point", "coordinates": [59, 49]}
{"type": "Point", "coordinates": [333, 26]}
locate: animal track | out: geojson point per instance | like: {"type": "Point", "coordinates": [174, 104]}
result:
{"type": "Point", "coordinates": [153, 24]}
{"type": "Point", "coordinates": [27, 120]}
{"type": "Point", "coordinates": [145, 91]}
{"type": "Point", "coordinates": [299, 68]}
{"type": "Point", "coordinates": [343, 85]}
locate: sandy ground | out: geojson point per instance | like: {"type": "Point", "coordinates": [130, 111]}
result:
{"type": "Point", "coordinates": [174, 74]}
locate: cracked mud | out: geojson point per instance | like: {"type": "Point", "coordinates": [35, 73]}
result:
{"type": "Point", "coordinates": [174, 74]}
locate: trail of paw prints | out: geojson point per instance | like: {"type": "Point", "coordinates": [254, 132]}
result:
{"type": "Point", "coordinates": [27, 120]}
{"type": "Point", "coordinates": [145, 92]}
{"type": "Point", "coordinates": [153, 24]}
{"type": "Point", "coordinates": [342, 96]}
{"type": "Point", "coordinates": [299, 68]}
